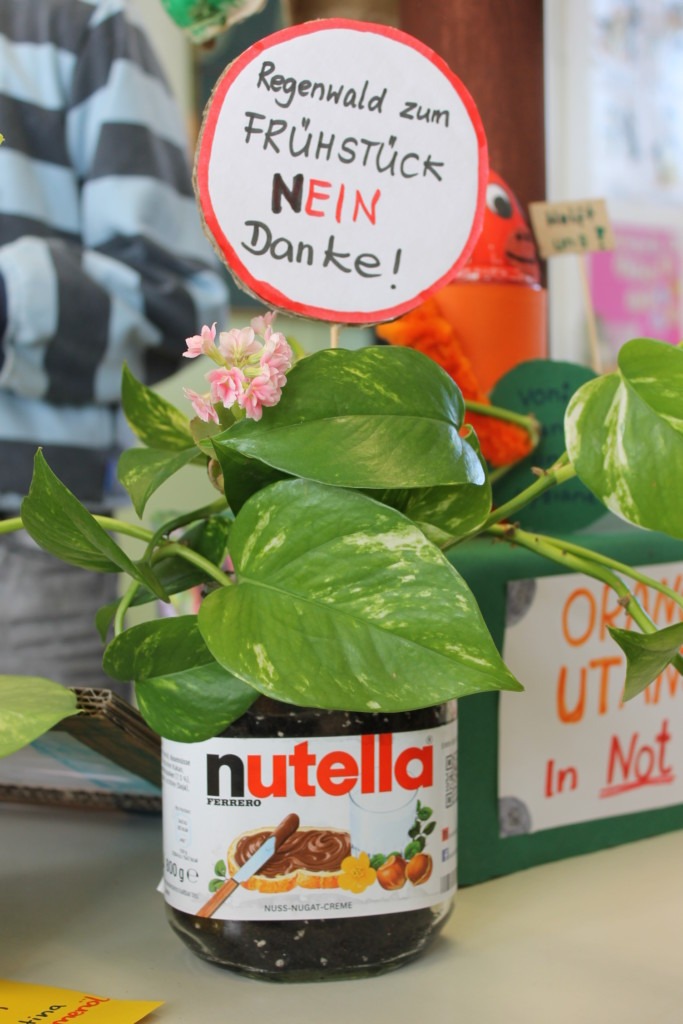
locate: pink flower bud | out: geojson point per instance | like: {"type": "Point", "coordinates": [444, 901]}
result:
{"type": "Point", "coordinates": [227, 384]}
{"type": "Point", "coordinates": [262, 323]}
{"type": "Point", "coordinates": [236, 345]}
{"type": "Point", "coordinates": [261, 392]}
{"type": "Point", "coordinates": [199, 344]}
{"type": "Point", "coordinates": [201, 405]}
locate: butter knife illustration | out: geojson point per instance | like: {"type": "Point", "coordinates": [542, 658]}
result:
{"type": "Point", "coordinates": [252, 865]}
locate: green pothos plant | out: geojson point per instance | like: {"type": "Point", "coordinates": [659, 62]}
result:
{"type": "Point", "coordinates": [342, 481]}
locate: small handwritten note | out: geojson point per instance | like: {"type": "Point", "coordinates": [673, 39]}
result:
{"type": "Point", "coordinates": [24, 1003]}
{"type": "Point", "coordinates": [543, 388]}
{"type": "Point", "coordinates": [571, 227]}
{"type": "Point", "coordinates": [570, 750]}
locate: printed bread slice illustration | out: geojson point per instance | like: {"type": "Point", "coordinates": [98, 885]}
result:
{"type": "Point", "coordinates": [310, 858]}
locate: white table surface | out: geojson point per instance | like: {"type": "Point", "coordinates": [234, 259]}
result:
{"type": "Point", "coordinates": [596, 939]}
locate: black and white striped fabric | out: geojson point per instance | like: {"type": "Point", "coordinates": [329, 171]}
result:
{"type": "Point", "coordinates": [102, 255]}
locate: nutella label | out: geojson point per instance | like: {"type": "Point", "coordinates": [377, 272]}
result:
{"type": "Point", "coordinates": [292, 828]}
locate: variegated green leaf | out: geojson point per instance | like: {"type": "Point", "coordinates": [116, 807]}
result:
{"type": "Point", "coordinates": [58, 522]}
{"type": "Point", "coordinates": [182, 693]}
{"type": "Point", "coordinates": [445, 514]}
{"type": "Point", "coordinates": [243, 477]}
{"type": "Point", "coordinates": [145, 574]}
{"type": "Point", "coordinates": [380, 417]}
{"type": "Point", "coordinates": [175, 574]}
{"type": "Point", "coordinates": [193, 705]}
{"type": "Point", "coordinates": [343, 603]}
{"type": "Point", "coordinates": [154, 648]}
{"type": "Point", "coordinates": [624, 435]}
{"type": "Point", "coordinates": [143, 470]}
{"type": "Point", "coordinates": [29, 706]}
{"type": "Point", "coordinates": [155, 421]}
{"type": "Point", "coordinates": [647, 654]}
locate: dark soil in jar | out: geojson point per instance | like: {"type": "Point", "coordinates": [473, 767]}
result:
{"type": "Point", "coordinates": [319, 950]}
{"type": "Point", "coordinates": [331, 948]}
{"type": "Point", "coordinates": [268, 718]}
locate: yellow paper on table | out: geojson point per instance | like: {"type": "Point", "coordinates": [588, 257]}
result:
{"type": "Point", "coordinates": [23, 1003]}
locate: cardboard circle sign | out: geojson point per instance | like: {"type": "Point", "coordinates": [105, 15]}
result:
{"type": "Point", "coordinates": [341, 171]}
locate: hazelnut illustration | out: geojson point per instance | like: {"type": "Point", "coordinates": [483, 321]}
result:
{"type": "Point", "coordinates": [419, 868]}
{"type": "Point", "coordinates": [392, 874]}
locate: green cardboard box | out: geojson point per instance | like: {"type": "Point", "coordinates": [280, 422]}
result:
{"type": "Point", "coordinates": [495, 837]}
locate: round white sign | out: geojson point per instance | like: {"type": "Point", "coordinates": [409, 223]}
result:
{"type": "Point", "coordinates": [341, 171]}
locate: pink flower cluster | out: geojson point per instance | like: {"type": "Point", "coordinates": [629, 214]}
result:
{"type": "Point", "coordinates": [252, 364]}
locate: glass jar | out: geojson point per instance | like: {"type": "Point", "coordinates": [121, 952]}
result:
{"type": "Point", "coordinates": [368, 878]}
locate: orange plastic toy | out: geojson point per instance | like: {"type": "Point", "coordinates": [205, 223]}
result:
{"type": "Point", "coordinates": [492, 317]}
{"type": "Point", "coordinates": [497, 306]}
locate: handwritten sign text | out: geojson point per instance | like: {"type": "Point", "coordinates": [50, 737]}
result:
{"type": "Point", "coordinates": [341, 171]}
{"type": "Point", "coordinates": [570, 750]}
{"type": "Point", "coordinates": [572, 227]}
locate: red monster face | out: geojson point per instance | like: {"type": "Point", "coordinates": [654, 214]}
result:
{"type": "Point", "coordinates": [505, 250]}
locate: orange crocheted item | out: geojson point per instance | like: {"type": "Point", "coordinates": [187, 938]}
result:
{"type": "Point", "coordinates": [426, 330]}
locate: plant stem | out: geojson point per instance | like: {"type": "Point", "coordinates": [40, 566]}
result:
{"type": "Point", "coordinates": [627, 570]}
{"type": "Point", "coordinates": [124, 605]}
{"type": "Point", "coordinates": [117, 525]}
{"type": "Point", "coordinates": [558, 473]}
{"type": "Point", "coordinates": [579, 559]}
{"type": "Point", "coordinates": [129, 529]}
{"type": "Point", "coordinates": [216, 507]}
{"type": "Point", "coordinates": [11, 525]}
{"type": "Point", "coordinates": [173, 548]}
{"type": "Point", "coordinates": [527, 422]}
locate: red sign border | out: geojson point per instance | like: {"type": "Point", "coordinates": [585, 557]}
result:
{"type": "Point", "coordinates": [270, 295]}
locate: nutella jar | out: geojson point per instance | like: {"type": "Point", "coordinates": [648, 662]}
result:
{"type": "Point", "coordinates": [311, 845]}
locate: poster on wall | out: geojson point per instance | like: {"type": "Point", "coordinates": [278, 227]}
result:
{"type": "Point", "coordinates": [341, 171]}
{"type": "Point", "coordinates": [636, 289]}
{"type": "Point", "coordinates": [571, 751]}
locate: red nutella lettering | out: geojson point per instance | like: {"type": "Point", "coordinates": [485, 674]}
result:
{"type": "Point", "coordinates": [377, 770]}
{"type": "Point", "coordinates": [301, 761]}
{"type": "Point", "coordinates": [338, 773]}
{"type": "Point", "coordinates": [278, 785]}
{"type": "Point", "coordinates": [367, 764]}
{"type": "Point", "coordinates": [421, 758]}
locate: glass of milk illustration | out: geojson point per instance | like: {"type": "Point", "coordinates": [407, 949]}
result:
{"type": "Point", "coordinates": [379, 822]}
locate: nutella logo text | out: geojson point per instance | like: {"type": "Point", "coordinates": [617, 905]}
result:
{"type": "Point", "coordinates": [303, 772]}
